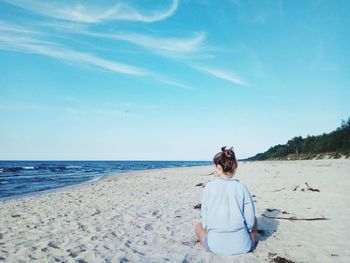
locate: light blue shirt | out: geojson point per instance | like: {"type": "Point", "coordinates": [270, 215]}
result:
{"type": "Point", "coordinates": [228, 214]}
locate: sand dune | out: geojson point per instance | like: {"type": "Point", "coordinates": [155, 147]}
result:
{"type": "Point", "coordinates": [149, 216]}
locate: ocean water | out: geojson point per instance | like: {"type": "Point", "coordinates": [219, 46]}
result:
{"type": "Point", "coordinates": [19, 178]}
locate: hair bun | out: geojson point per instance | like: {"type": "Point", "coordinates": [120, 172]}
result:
{"type": "Point", "coordinates": [226, 159]}
{"type": "Point", "coordinates": [227, 152]}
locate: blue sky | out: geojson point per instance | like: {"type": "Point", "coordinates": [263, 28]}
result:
{"type": "Point", "coordinates": [168, 80]}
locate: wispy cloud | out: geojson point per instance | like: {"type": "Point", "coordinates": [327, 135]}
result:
{"type": "Point", "coordinates": [171, 46]}
{"type": "Point", "coordinates": [29, 42]}
{"type": "Point", "coordinates": [29, 45]}
{"type": "Point", "coordinates": [90, 13]}
{"type": "Point", "coordinates": [225, 75]}
{"type": "Point", "coordinates": [172, 82]}
{"type": "Point", "coordinates": [11, 28]}
{"type": "Point", "coordinates": [168, 46]}
{"type": "Point", "coordinates": [67, 19]}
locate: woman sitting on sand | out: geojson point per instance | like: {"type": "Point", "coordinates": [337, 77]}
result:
{"type": "Point", "coordinates": [228, 214]}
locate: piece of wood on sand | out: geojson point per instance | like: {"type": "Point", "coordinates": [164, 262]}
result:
{"type": "Point", "coordinates": [293, 218]}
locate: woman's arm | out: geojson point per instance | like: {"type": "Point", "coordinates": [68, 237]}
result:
{"type": "Point", "coordinates": [249, 210]}
{"type": "Point", "coordinates": [204, 208]}
{"type": "Point", "coordinates": [254, 230]}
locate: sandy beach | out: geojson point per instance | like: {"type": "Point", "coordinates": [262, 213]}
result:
{"type": "Point", "coordinates": [149, 216]}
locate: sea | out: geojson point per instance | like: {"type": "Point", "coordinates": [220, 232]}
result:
{"type": "Point", "coordinates": [23, 178]}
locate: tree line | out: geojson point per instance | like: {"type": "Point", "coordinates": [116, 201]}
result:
{"type": "Point", "coordinates": [335, 144]}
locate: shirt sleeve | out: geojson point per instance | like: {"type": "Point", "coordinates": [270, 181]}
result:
{"type": "Point", "coordinates": [204, 210]}
{"type": "Point", "coordinates": [249, 210]}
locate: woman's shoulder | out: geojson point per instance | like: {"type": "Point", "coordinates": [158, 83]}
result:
{"type": "Point", "coordinates": [211, 184]}
{"type": "Point", "coordinates": [220, 181]}
{"type": "Point", "coordinates": [244, 187]}
{"type": "Point", "coordinates": [237, 184]}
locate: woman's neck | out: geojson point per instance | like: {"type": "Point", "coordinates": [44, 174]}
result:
{"type": "Point", "coordinates": [227, 175]}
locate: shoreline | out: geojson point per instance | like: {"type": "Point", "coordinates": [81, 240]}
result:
{"type": "Point", "coordinates": [79, 184]}
{"type": "Point", "coordinates": [149, 216]}
{"type": "Point", "coordinates": [33, 194]}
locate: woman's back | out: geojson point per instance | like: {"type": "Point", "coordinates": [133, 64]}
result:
{"type": "Point", "coordinates": [228, 214]}
{"type": "Point", "coordinates": [228, 224]}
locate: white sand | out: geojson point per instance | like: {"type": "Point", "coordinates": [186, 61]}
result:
{"type": "Point", "coordinates": [148, 216]}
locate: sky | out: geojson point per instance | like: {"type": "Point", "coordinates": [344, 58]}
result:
{"type": "Point", "coordinates": [168, 80]}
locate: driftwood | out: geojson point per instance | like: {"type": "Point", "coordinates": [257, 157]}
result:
{"type": "Point", "coordinates": [308, 188]}
{"type": "Point", "coordinates": [278, 190]}
{"type": "Point", "coordinates": [311, 189]}
{"type": "Point", "coordinates": [293, 218]}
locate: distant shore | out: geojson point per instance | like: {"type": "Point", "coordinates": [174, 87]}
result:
{"type": "Point", "coordinates": [305, 156]}
{"type": "Point", "coordinates": [149, 216]}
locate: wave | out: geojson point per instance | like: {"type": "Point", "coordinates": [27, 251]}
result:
{"type": "Point", "coordinates": [74, 167]}
{"type": "Point", "coordinates": [28, 167]}
{"type": "Point", "coordinates": [11, 169]}
{"type": "Point", "coordinates": [94, 179]}
{"type": "Point", "coordinates": [18, 168]}
{"type": "Point", "coordinates": [14, 169]}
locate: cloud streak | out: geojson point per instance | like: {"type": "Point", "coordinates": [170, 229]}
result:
{"type": "Point", "coordinates": [26, 44]}
{"type": "Point", "coordinates": [92, 14]}
{"type": "Point", "coordinates": [170, 47]}
{"type": "Point", "coordinates": [172, 82]}
{"type": "Point", "coordinates": [225, 75]}
{"type": "Point", "coordinates": [29, 42]}
{"type": "Point", "coordinates": [67, 19]}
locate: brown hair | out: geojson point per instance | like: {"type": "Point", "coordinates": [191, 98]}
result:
{"type": "Point", "coordinates": [227, 160]}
